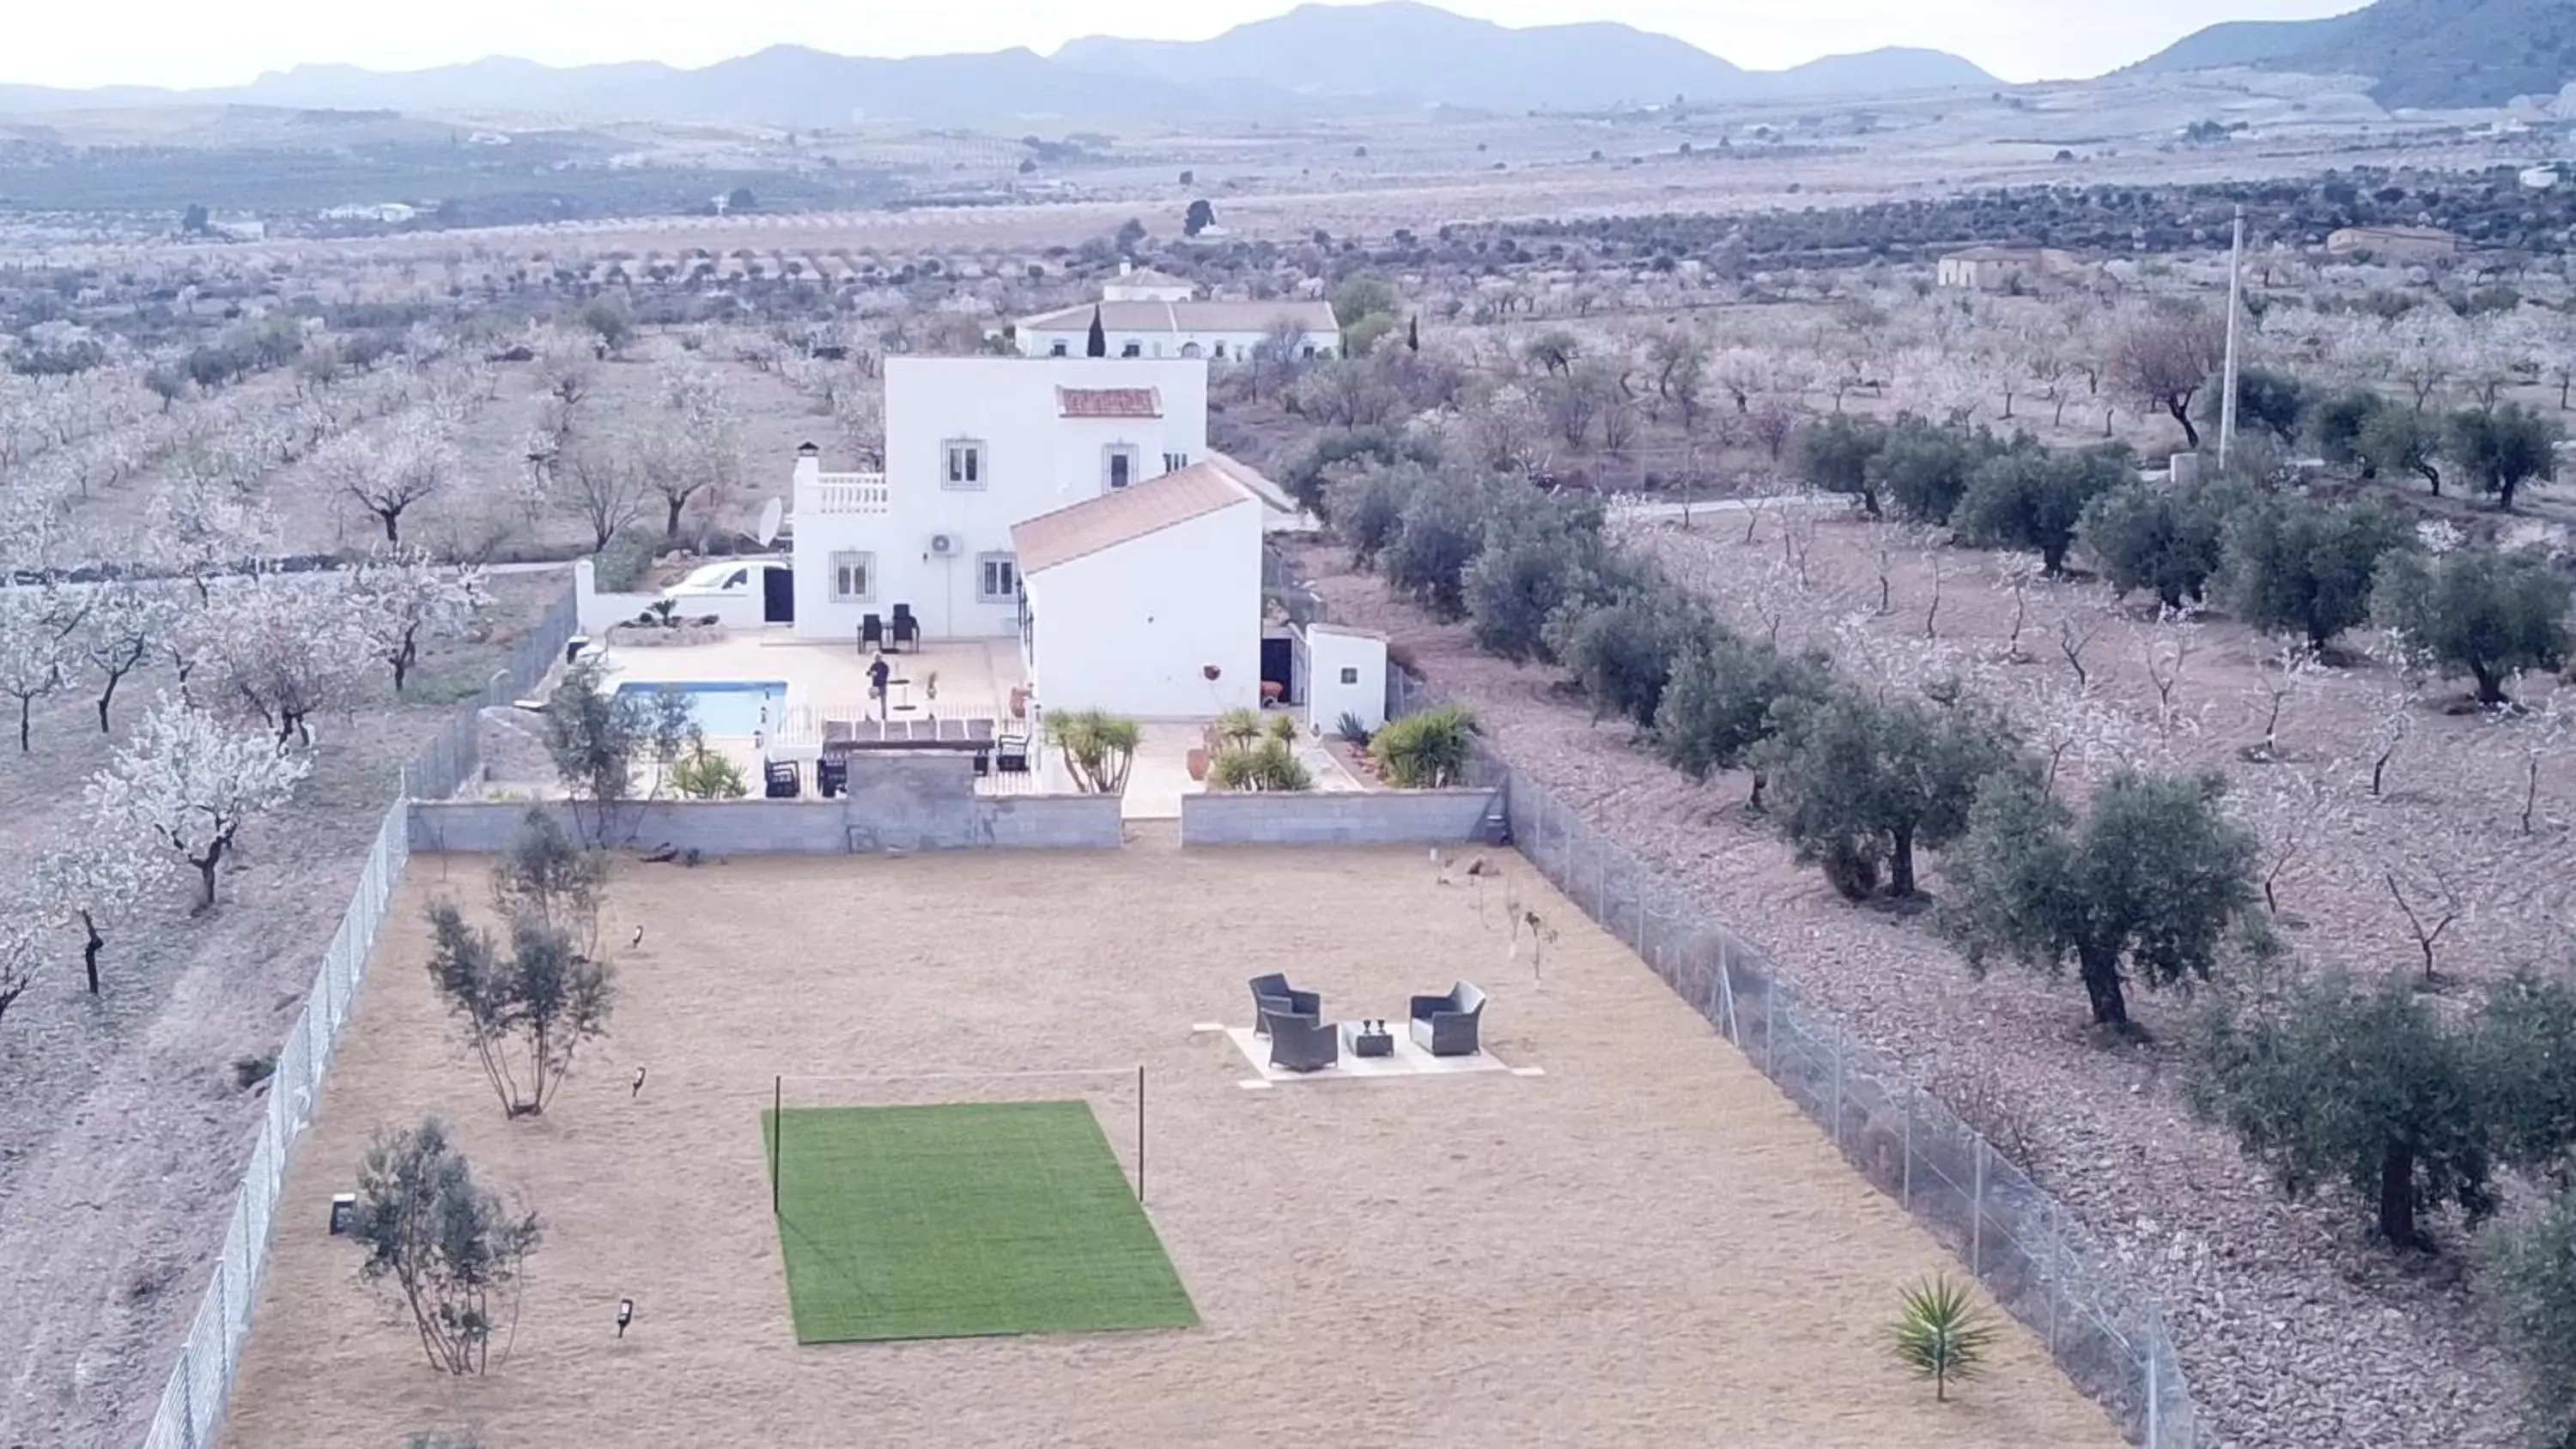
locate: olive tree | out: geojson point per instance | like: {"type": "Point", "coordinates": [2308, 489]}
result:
{"type": "Point", "coordinates": [1858, 784]}
{"type": "Point", "coordinates": [2362, 1086]}
{"type": "Point", "coordinates": [2291, 564]}
{"type": "Point", "coordinates": [444, 1241]}
{"type": "Point", "coordinates": [2528, 1284]}
{"type": "Point", "coordinates": [1717, 706]}
{"type": "Point", "coordinates": [526, 1010]}
{"type": "Point", "coordinates": [1622, 653]}
{"type": "Point", "coordinates": [2501, 448]}
{"type": "Point", "coordinates": [2145, 887]}
{"type": "Point", "coordinates": [2033, 498]}
{"type": "Point", "coordinates": [2163, 540]}
{"type": "Point", "coordinates": [2477, 612]}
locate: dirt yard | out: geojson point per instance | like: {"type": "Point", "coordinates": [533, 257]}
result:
{"type": "Point", "coordinates": [1647, 1244]}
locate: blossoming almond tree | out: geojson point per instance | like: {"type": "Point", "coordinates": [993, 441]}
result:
{"type": "Point", "coordinates": [287, 646]}
{"type": "Point", "coordinates": [94, 880]}
{"type": "Point", "coordinates": [32, 649]}
{"type": "Point", "coordinates": [402, 598]}
{"type": "Point", "coordinates": [190, 782]}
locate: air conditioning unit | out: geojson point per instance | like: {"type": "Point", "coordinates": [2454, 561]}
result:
{"type": "Point", "coordinates": [943, 544]}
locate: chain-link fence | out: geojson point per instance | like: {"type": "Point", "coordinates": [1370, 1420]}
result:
{"type": "Point", "coordinates": [2038, 1261]}
{"type": "Point", "coordinates": [2024, 1245]}
{"type": "Point", "coordinates": [192, 1405]}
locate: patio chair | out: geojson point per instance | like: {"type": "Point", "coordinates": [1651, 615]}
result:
{"type": "Point", "coordinates": [871, 632]}
{"type": "Point", "coordinates": [831, 778]}
{"type": "Point", "coordinates": [1445, 1026]}
{"type": "Point", "coordinates": [1272, 993]}
{"type": "Point", "coordinates": [1300, 1043]}
{"type": "Point", "coordinates": [782, 780]}
{"type": "Point", "coordinates": [907, 629]}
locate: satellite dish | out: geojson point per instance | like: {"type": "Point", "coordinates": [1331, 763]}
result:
{"type": "Point", "coordinates": [773, 515]}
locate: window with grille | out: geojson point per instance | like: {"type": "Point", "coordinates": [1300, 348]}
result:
{"type": "Point", "coordinates": [854, 578]}
{"type": "Point", "coordinates": [965, 464]}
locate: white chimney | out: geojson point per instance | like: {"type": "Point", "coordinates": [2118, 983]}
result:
{"type": "Point", "coordinates": [1126, 268]}
{"type": "Point", "coordinates": [809, 466]}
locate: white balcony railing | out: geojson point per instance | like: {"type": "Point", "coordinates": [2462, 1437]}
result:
{"type": "Point", "coordinates": [850, 493]}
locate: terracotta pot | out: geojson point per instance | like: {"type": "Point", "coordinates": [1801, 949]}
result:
{"type": "Point", "coordinates": [1197, 760]}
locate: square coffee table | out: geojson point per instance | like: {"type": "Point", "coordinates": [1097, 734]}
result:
{"type": "Point", "coordinates": [1366, 1039]}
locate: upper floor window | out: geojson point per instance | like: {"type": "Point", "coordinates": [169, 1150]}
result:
{"type": "Point", "coordinates": [965, 464]}
{"type": "Point", "coordinates": [1175, 462]}
{"type": "Point", "coordinates": [1119, 465]}
{"type": "Point", "coordinates": [1057, 348]}
{"type": "Point", "coordinates": [1132, 349]}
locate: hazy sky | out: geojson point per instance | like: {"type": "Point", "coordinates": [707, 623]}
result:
{"type": "Point", "coordinates": [196, 43]}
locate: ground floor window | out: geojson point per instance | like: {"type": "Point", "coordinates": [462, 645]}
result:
{"type": "Point", "coordinates": [854, 578]}
{"type": "Point", "coordinates": [997, 578]}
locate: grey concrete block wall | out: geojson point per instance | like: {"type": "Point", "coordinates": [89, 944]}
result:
{"type": "Point", "coordinates": [788, 827]}
{"type": "Point", "coordinates": [1051, 821]}
{"type": "Point", "coordinates": [1374, 817]}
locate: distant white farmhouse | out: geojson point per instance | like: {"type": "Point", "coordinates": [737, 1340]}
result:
{"type": "Point", "coordinates": [1148, 314]}
{"type": "Point", "coordinates": [1994, 268]}
{"type": "Point", "coordinates": [1071, 503]}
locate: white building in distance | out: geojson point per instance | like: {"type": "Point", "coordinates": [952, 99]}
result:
{"type": "Point", "coordinates": [1146, 314]}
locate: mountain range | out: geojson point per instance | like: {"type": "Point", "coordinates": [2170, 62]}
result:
{"type": "Point", "coordinates": [1313, 60]}
{"type": "Point", "coordinates": [2417, 52]}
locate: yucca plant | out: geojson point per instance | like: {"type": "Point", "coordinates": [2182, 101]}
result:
{"type": "Point", "coordinates": [1942, 1334]}
{"type": "Point", "coordinates": [1281, 727]}
{"type": "Point", "coordinates": [1270, 765]}
{"type": "Point", "coordinates": [1238, 727]}
{"type": "Point", "coordinates": [1426, 751]}
{"type": "Point", "coordinates": [1097, 748]}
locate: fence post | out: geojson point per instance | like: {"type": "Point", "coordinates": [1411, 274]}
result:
{"type": "Point", "coordinates": [1977, 1212]}
{"type": "Point", "coordinates": [1838, 1094]}
{"type": "Point", "coordinates": [1905, 1194]}
{"type": "Point", "coordinates": [2155, 1425]}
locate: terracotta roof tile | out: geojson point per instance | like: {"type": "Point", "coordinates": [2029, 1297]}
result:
{"type": "Point", "coordinates": [1122, 516]}
{"type": "Point", "coordinates": [1108, 402]}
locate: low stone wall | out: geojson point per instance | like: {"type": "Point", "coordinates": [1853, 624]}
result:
{"type": "Point", "coordinates": [894, 803]}
{"type": "Point", "coordinates": [1331, 817]}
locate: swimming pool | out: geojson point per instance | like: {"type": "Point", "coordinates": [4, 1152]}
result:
{"type": "Point", "coordinates": [735, 708]}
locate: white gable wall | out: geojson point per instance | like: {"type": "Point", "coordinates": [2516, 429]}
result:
{"type": "Point", "coordinates": [1131, 629]}
{"type": "Point", "coordinates": [1033, 461]}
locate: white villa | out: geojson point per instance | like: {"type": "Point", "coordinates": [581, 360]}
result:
{"type": "Point", "coordinates": [1146, 314]}
{"type": "Point", "coordinates": [1070, 504]}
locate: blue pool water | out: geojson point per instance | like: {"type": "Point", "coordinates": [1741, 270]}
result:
{"type": "Point", "coordinates": [725, 709]}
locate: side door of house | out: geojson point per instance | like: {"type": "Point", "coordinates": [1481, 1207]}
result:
{"type": "Point", "coordinates": [778, 595]}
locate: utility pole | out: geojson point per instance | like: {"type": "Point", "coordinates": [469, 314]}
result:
{"type": "Point", "coordinates": [2235, 290]}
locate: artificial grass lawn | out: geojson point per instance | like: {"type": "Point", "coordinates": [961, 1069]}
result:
{"type": "Point", "coordinates": [966, 1219]}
